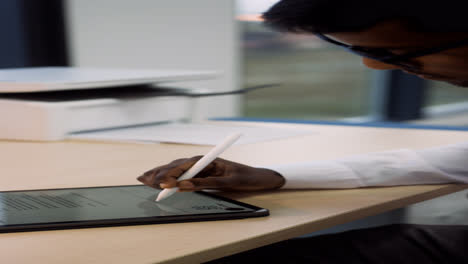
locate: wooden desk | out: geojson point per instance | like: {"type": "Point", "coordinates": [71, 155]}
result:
{"type": "Point", "coordinates": [293, 213]}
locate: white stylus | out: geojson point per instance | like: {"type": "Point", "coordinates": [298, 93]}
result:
{"type": "Point", "coordinates": [201, 164]}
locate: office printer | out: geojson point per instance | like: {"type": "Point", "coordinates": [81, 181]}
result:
{"type": "Point", "coordinates": [50, 103]}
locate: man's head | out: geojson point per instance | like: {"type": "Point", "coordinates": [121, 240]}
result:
{"type": "Point", "coordinates": [416, 36]}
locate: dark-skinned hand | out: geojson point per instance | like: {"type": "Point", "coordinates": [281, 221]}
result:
{"type": "Point", "coordinates": [220, 174]}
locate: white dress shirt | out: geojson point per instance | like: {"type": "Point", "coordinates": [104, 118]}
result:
{"type": "Point", "coordinates": [444, 164]}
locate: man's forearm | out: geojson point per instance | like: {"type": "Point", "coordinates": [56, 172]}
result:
{"type": "Point", "coordinates": [399, 167]}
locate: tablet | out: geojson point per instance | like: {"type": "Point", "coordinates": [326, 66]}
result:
{"type": "Point", "coordinates": [34, 210]}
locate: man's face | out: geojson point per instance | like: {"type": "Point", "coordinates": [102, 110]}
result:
{"type": "Point", "coordinates": [449, 66]}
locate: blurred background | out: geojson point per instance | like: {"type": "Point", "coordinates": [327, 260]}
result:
{"type": "Point", "coordinates": [325, 82]}
{"type": "Point", "coordinates": [318, 81]}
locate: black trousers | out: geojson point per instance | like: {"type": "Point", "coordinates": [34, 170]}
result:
{"type": "Point", "coordinates": [400, 243]}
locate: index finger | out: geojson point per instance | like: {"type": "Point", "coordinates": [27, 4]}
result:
{"type": "Point", "coordinates": [166, 176]}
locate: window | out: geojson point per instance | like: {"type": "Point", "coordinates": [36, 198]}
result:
{"type": "Point", "coordinates": [318, 80]}
{"type": "Point", "coordinates": [322, 82]}
{"type": "Point", "coordinates": [440, 93]}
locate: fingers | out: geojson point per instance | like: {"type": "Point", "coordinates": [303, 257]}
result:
{"type": "Point", "coordinates": [245, 179]}
{"type": "Point", "coordinates": [166, 176]}
{"type": "Point", "coordinates": [220, 174]}
{"type": "Point", "coordinates": [196, 184]}
{"type": "Point", "coordinates": [153, 178]}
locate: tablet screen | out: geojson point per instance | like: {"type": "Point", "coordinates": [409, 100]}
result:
{"type": "Point", "coordinates": [104, 203]}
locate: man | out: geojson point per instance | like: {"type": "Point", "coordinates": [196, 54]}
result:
{"type": "Point", "coordinates": [418, 37]}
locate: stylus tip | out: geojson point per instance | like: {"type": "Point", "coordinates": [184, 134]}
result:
{"type": "Point", "coordinates": [160, 197]}
{"type": "Point", "coordinates": [166, 193]}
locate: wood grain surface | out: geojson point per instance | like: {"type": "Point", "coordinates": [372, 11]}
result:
{"type": "Point", "coordinates": [39, 165]}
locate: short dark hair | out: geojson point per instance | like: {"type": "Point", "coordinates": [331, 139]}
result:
{"type": "Point", "coordinates": [327, 16]}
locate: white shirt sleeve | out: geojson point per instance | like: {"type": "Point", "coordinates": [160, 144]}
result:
{"type": "Point", "coordinates": [444, 164]}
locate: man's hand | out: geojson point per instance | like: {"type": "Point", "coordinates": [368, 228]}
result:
{"type": "Point", "coordinates": [220, 174]}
